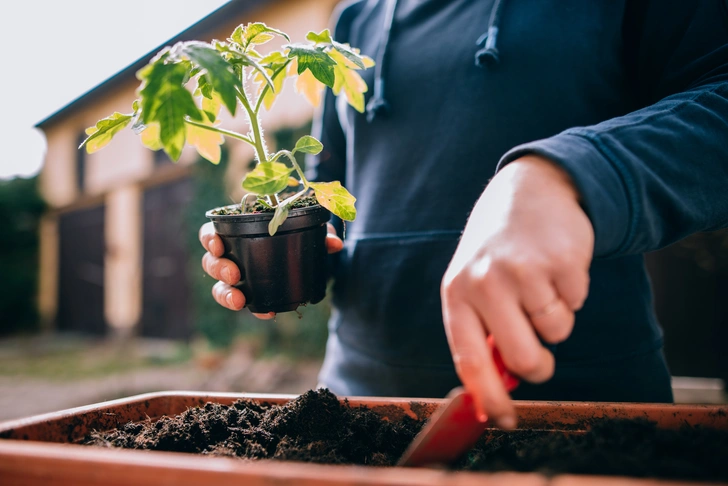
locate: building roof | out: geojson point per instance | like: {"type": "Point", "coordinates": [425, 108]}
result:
{"type": "Point", "coordinates": [229, 10]}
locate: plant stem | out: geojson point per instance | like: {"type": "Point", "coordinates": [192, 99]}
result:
{"type": "Point", "coordinates": [290, 156]}
{"type": "Point", "coordinates": [220, 130]}
{"type": "Point", "coordinates": [255, 126]}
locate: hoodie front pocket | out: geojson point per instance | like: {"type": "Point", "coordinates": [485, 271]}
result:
{"type": "Point", "coordinates": [387, 296]}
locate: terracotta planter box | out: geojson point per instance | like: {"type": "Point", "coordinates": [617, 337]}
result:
{"type": "Point", "coordinates": [40, 450]}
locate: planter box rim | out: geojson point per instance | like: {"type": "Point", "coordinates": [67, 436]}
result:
{"type": "Point", "coordinates": [41, 447]}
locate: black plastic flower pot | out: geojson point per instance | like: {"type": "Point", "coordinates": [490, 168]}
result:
{"type": "Point", "coordinates": [280, 272]}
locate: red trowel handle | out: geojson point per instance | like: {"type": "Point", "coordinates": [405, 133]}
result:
{"type": "Point", "coordinates": [510, 381]}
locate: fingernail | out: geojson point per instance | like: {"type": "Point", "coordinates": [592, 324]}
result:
{"type": "Point", "coordinates": [482, 418]}
{"type": "Point", "coordinates": [229, 299]}
{"type": "Point", "coordinates": [507, 423]}
{"type": "Point", "coordinates": [212, 246]}
{"type": "Point", "coordinates": [226, 274]}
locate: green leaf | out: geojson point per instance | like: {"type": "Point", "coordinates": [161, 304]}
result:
{"type": "Point", "coordinates": [348, 53]}
{"type": "Point", "coordinates": [334, 197]}
{"type": "Point", "coordinates": [274, 60]}
{"type": "Point", "coordinates": [238, 59]}
{"type": "Point", "coordinates": [172, 128]}
{"type": "Point", "coordinates": [255, 33]}
{"type": "Point", "coordinates": [219, 72]}
{"type": "Point", "coordinates": [316, 60]}
{"type": "Point", "coordinates": [278, 218]}
{"type": "Point", "coordinates": [267, 178]}
{"type": "Point", "coordinates": [204, 86]}
{"type": "Point", "coordinates": [165, 100]}
{"type": "Point", "coordinates": [308, 145]}
{"type": "Point", "coordinates": [323, 37]}
{"type": "Point", "coordinates": [104, 130]}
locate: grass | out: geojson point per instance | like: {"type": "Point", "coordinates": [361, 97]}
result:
{"type": "Point", "coordinates": [77, 358]}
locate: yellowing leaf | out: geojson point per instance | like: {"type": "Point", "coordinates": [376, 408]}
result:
{"type": "Point", "coordinates": [310, 87]}
{"type": "Point", "coordinates": [348, 81]}
{"type": "Point", "coordinates": [267, 178]}
{"type": "Point", "coordinates": [270, 94]}
{"type": "Point", "coordinates": [334, 197]}
{"type": "Point", "coordinates": [104, 130]}
{"type": "Point", "coordinates": [211, 106]}
{"type": "Point", "coordinates": [323, 37]}
{"type": "Point", "coordinates": [368, 61]}
{"type": "Point", "coordinates": [255, 33]}
{"type": "Point", "coordinates": [150, 136]}
{"type": "Point", "coordinates": [206, 142]}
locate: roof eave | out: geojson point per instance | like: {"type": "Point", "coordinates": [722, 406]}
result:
{"type": "Point", "coordinates": [195, 31]}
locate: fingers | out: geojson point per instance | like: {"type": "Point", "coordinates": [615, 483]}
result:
{"type": "Point", "coordinates": [228, 296]}
{"type": "Point", "coordinates": [210, 241]}
{"type": "Point", "coordinates": [221, 269]}
{"type": "Point", "coordinates": [573, 286]}
{"type": "Point", "coordinates": [552, 318]}
{"type": "Point", "coordinates": [333, 242]}
{"type": "Point", "coordinates": [474, 363]}
{"type": "Point", "coordinates": [522, 352]}
{"type": "Point", "coordinates": [228, 273]}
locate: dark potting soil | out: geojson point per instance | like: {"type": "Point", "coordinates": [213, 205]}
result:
{"type": "Point", "coordinates": [303, 202]}
{"type": "Point", "coordinates": [621, 447]}
{"type": "Point", "coordinates": [316, 427]}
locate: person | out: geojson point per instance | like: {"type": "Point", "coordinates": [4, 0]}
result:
{"type": "Point", "coordinates": [516, 160]}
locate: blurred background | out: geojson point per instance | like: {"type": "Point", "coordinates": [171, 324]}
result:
{"type": "Point", "coordinates": [101, 290]}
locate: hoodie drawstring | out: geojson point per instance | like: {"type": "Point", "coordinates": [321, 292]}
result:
{"type": "Point", "coordinates": [485, 57]}
{"type": "Point", "coordinates": [489, 55]}
{"type": "Point", "coordinates": [378, 104]}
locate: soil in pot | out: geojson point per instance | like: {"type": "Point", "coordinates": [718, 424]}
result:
{"type": "Point", "coordinates": [303, 202]}
{"type": "Point", "coordinates": [316, 427]}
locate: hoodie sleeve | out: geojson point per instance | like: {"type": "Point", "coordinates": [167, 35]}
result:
{"type": "Point", "coordinates": [660, 173]}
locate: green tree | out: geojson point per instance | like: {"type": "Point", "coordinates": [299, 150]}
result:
{"type": "Point", "coordinates": [21, 208]}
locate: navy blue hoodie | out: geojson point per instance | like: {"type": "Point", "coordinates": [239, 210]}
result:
{"type": "Point", "coordinates": [630, 97]}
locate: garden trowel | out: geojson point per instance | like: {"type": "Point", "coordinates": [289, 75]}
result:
{"type": "Point", "coordinates": [454, 427]}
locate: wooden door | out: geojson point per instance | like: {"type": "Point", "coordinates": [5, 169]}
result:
{"type": "Point", "coordinates": [81, 271]}
{"type": "Point", "coordinates": [166, 286]}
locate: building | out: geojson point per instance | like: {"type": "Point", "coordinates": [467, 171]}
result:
{"type": "Point", "coordinates": [109, 258]}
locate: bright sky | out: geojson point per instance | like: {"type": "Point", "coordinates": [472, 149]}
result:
{"type": "Point", "coordinates": [53, 51]}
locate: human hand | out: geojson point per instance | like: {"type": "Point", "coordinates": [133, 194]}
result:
{"type": "Point", "coordinates": [228, 274]}
{"type": "Point", "coordinates": [520, 272]}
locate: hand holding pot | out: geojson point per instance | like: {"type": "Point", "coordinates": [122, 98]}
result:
{"type": "Point", "coordinates": [520, 272]}
{"type": "Point", "coordinates": [228, 274]}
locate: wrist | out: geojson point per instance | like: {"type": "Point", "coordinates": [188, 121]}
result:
{"type": "Point", "coordinates": [542, 170]}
